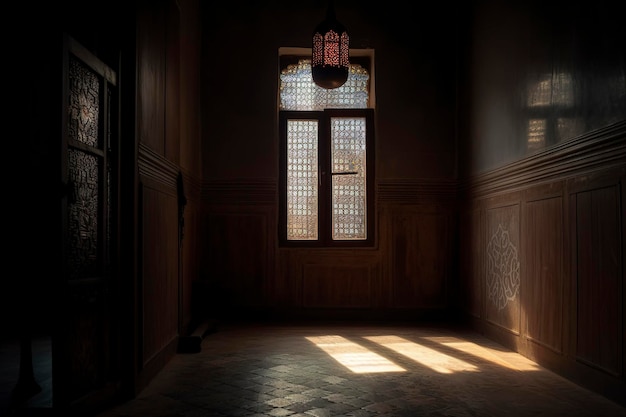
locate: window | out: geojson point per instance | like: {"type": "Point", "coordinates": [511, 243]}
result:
{"type": "Point", "coordinates": [326, 160]}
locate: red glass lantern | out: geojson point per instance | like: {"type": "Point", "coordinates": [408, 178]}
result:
{"type": "Point", "coordinates": [330, 59]}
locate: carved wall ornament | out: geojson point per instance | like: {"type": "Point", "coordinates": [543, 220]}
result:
{"type": "Point", "coordinates": [503, 276]}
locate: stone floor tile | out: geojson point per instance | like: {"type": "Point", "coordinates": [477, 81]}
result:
{"type": "Point", "coordinates": [272, 371]}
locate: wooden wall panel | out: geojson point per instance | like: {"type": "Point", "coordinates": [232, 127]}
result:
{"type": "Point", "coordinates": [599, 277]}
{"type": "Point", "coordinates": [190, 82]}
{"type": "Point", "coordinates": [151, 78]}
{"type": "Point", "coordinates": [284, 285]}
{"type": "Point", "coordinates": [572, 292]}
{"type": "Point", "coordinates": [337, 285]}
{"type": "Point", "coordinates": [159, 279]}
{"type": "Point", "coordinates": [471, 267]}
{"type": "Point", "coordinates": [502, 267]}
{"type": "Point", "coordinates": [542, 279]}
{"type": "Point", "coordinates": [164, 282]}
{"type": "Point", "coordinates": [238, 258]}
{"type": "Point", "coordinates": [415, 225]}
{"type": "Point", "coordinates": [190, 262]}
{"type": "Point", "coordinates": [321, 280]}
{"type": "Point", "coordinates": [172, 82]}
{"type": "Point", "coordinates": [420, 257]}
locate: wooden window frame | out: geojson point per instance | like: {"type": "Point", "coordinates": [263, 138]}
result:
{"type": "Point", "coordinates": [325, 198]}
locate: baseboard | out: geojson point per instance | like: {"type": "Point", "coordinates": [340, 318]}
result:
{"type": "Point", "coordinates": [193, 343]}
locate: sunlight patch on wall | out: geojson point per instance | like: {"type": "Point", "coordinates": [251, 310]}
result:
{"type": "Point", "coordinates": [435, 360]}
{"type": "Point", "coordinates": [354, 356]}
{"type": "Point", "coordinates": [514, 361]}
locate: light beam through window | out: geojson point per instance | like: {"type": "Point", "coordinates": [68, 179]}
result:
{"type": "Point", "coordinates": [354, 356]}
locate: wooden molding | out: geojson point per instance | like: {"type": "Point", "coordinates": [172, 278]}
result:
{"type": "Point", "coordinates": [240, 191]}
{"type": "Point", "coordinates": [411, 191]}
{"type": "Point", "coordinates": [153, 166]}
{"type": "Point", "coordinates": [595, 150]}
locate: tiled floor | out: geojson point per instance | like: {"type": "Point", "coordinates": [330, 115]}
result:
{"type": "Point", "coordinates": [333, 370]}
{"type": "Point", "coordinates": [10, 370]}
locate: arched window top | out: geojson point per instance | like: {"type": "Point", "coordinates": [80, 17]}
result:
{"type": "Point", "coordinates": [298, 91]}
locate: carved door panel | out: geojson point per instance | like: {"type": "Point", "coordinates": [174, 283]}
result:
{"type": "Point", "coordinates": [86, 340]}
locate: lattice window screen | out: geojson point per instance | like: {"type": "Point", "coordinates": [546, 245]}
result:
{"type": "Point", "coordinates": [302, 179]}
{"type": "Point", "coordinates": [84, 170]}
{"type": "Point", "coordinates": [348, 154]}
{"type": "Point", "coordinates": [299, 92]}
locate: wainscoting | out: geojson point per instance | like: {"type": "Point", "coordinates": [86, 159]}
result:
{"type": "Point", "coordinates": [407, 273]}
{"type": "Point", "coordinates": [542, 258]}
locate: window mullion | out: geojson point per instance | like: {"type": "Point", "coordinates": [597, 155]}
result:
{"type": "Point", "coordinates": [325, 209]}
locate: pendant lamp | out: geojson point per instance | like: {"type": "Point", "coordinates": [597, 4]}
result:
{"type": "Point", "coordinates": [330, 60]}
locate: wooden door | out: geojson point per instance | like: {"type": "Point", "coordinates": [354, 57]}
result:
{"type": "Point", "coordinates": [85, 344]}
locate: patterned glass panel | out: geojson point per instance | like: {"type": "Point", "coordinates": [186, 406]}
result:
{"type": "Point", "coordinates": [83, 214]}
{"type": "Point", "coordinates": [84, 104]}
{"type": "Point", "coordinates": [299, 92]}
{"type": "Point", "coordinates": [109, 182]}
{"type": "Point", "coordinates": [302, 180]}
{"type": "Point", "coordinates": [349, 174]}
{"type": "Point", "coordinates": [536, 134]}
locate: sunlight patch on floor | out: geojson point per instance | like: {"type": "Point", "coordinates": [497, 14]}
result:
{"type": "Point", "coordinates": [354, 356]}
{"type": "Point", "coordinates": [435, 360]}
{"type": "Point", "coordinates": [486, 353]}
